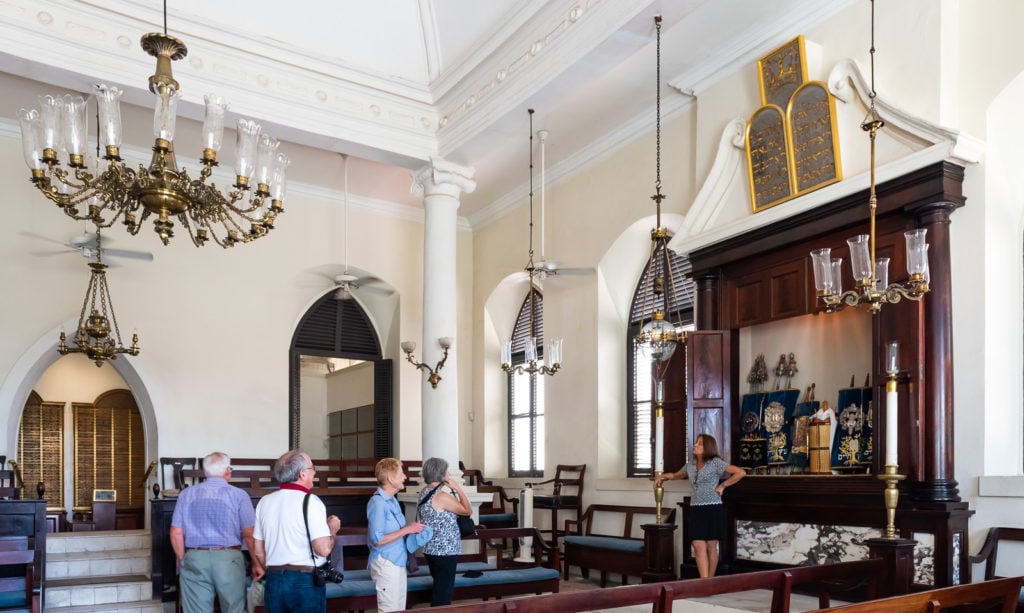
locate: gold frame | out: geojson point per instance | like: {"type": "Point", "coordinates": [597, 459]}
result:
{"type": "Point", "coordinates": [778, 54]}
{"type": "Point", "coordinates": [837, 158]}
{"type": "Point", "coordinates": [787, 147]}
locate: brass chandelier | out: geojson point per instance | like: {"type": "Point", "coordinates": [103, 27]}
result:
{"type": "Point", "coordinates": [119, 192]}
{"type": "Point", "coordinates": [553, 356]}
{"type": "Point", "coordinates": [871, 274]}
{"type": "Point", "coordinates": [93, 335]}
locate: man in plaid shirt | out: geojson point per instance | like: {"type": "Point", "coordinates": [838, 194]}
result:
{"type": "Point", "coordinates": [211, 519]}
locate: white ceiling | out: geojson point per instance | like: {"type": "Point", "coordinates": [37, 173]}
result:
{"type": "Point", "coordinates": [394, 82]}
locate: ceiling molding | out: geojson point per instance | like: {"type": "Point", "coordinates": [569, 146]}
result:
{"type": "Point", "coordinates": [569, 31]}
{"type": "Point", "coordinates": [596, 152]}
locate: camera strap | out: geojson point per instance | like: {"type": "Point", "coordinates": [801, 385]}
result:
{"type": "Point", "coordinates": [309, 539]}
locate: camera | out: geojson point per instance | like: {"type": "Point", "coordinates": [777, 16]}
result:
{"type": "Point", "coordinates": [325, 573]}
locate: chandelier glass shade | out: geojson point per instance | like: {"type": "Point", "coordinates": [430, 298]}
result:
{"type": "Point", "coordinates": [96, 322]}
{"type": "Point", "coordinates": [54, 141]}
{"type": "Point", "coordinates": [533, 364]}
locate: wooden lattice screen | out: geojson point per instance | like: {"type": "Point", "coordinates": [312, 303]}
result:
{"type": "Point", "coordinates": [109, 450]}
{"type": "Point", "coordinates": [41, 449]}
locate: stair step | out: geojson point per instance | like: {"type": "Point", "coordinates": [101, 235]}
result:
{"type": "Point", "coordinates": [141, 606]}
{"type": "Point", "coordinates": [71, 542]}
{"type": "Point", "coordinates": [98, 563]}
{"type": "Point", "coordinates": [92, 591]}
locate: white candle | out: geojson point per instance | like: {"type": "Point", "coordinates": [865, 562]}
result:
{"type": "Point", "coordinates": [891, 405]}
{"type": "Point", "coordinates": [659, 443]}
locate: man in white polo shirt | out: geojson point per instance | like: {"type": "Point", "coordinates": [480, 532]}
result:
{"type": "Point", "coordinates": [283, 541]}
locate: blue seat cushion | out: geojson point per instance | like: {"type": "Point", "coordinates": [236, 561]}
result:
{"type": "Point", "coordinates": [511, 575]}
{"type": "Point", "coordinates": [16, 596]}
{"type": "Point", "coordinates": [558, 502]}
{"type": "Point", "coordinates": [608, 542]}
{"type": "Point", "coordinates": [498, 518]}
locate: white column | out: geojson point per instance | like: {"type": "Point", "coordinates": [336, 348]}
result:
{"type": "Point", "coordinates": [440, 183]}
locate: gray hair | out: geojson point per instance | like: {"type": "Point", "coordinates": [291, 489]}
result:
{"type": "Point", "coordinates": [216, 464]}
{"type": "Point", "coordinates": [289, 466]}
{"type": "Point", "coordinates": [433, 470]}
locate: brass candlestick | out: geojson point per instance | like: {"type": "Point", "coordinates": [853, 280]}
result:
{"type": "Point", "coordinates": [659, 494]}
{"type": "Point", "coordinates": [892, 496]}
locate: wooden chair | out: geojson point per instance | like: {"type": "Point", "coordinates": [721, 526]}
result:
{"type": "Point", "coordinates": [18, 591]}
{"type": "Point", "coordinates": [990, 549]}
{"type": "Point", "coordinates": [9, 489]}
{"type": "Point", "coordinates": [566, 495]}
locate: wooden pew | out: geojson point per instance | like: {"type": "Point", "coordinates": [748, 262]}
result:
{"type": "Point", "coordinates": [994, 595]}
{"type": "Point", "coordinates": [621, 552]}
{"type": "Point", "coordinates": [827, 580]}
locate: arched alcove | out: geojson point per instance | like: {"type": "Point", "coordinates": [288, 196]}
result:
{"type": "Point", "coordinates": [338, 326]}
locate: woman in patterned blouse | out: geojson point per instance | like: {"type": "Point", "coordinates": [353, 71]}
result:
{"type": "Point", "coordinates": [438, 509]}
{"type": "Point", "coordinates": [706, 517]}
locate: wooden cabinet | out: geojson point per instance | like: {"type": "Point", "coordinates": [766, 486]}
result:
{"type": "Point", "coordinates": [765, 275]}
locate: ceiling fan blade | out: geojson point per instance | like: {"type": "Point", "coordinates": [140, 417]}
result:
{"type": "Point", "coordinates": [573, 271]}
{"type": "Point", "coordinates": [126, 253]}
{"type": "Point", "coordinates": [372, 289]}
{"type": "Point", "coordinates": [46, 254]}
{"type": "Point", "coordinates": [519, 277]}
{"type": "Point", "coordinates": [47, 239]}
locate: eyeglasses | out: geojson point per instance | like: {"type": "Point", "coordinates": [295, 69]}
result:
{"type": "Point", "coordinates": [309, 468]}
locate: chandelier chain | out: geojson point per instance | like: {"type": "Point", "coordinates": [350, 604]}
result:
{"type": "Point", "coordinates": [872, 54]}
{"type": "Point", "coordinates": [657, 112]}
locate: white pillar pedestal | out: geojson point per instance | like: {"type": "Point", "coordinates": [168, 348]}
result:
{"type": "Point", "coordinates": [440, 183]}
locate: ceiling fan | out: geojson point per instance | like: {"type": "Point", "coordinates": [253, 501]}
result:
{"type": "Point", "coordinates": [85, 244]}
{"type": "Point", "coordinates": [544, 267]}
{"type": "Point", "coordinates": [344, 279]}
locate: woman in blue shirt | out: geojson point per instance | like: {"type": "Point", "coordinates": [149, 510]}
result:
{"type": "Point", "coordinates": [386, 536]}
{"type": "Point", "coordinates": [706, 516]}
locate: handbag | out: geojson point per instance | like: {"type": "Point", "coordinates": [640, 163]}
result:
{"type": "Point", "coordinates": [325, 573]}
{"type": "Point", "coordinates": [466, 525]}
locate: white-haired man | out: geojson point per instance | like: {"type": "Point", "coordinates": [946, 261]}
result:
{"type": "Point", "coordinates": [211, 520]}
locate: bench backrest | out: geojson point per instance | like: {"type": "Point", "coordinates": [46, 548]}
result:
{"type": "Point", "coordinates": [970, 597]}
{"type": "Point", "coordinates": [990, 549]}
{"type": "Point", "coordinates": [662, 595]}
{"type": "Point", "coordinates": [599, 514]}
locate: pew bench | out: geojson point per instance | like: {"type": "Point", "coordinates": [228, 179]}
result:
{"type": "Point", "coordinates": [995, 595]}
{"type": "Point", "coordinates": [357, 591]}
{"type": "Point", "coordinates": [990, 550]}
{"type": "Point", "coordinates": [621, 551]}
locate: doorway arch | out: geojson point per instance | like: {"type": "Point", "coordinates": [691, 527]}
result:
{"type": "Point", "coordinates": [41, 355]}
{"type": "Point", "coordinates": [340, 328]}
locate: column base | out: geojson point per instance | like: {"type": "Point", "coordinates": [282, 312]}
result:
{"type": "Point", "coordinates": [899, 558]}
{"type": "Point", "coordinates": [659, 549]}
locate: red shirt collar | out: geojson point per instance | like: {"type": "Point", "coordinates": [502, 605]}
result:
{"type": "Point", "coordinates": [295, 486]}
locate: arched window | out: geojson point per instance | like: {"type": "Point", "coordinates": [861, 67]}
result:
{"type": "Point", "coordinates": [639, 385]}
{"type": "Point", "coordinates": [526, 394]}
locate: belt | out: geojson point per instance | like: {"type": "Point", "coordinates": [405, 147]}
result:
{"type": "Point", "coordinates": [283, 567]}
{"type": "Point", "coordinates": [215, 548]}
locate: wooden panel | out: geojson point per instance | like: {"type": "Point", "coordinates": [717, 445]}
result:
{"type": "Point", "coordinates": [788, 283]}
{"type": "Point", "coordinates": [747, 298]}
{"type": "Point", "coordinates": [709, 385]}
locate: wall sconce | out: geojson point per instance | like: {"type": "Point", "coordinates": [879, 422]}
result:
{"type": "Point", "coordinates": [409, 346]}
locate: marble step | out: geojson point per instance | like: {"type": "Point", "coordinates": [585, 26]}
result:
{"type": "Point", "coordinates": [73, 542]}
{"type": "Point", "coordinates": [93, 591]}
{"type": "Point", "coordinates": [98, 563]}
{"type": "Point", "coordinates": [142, 606]}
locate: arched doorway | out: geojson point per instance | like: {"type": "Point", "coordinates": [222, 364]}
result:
{"type": "Point", "coordinates": [335, 328]}
{"type": "Point", "coordinates": [129, 374]}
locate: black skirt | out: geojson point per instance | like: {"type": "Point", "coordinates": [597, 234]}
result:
{"type": "Point", "coordinates": [707, 522]}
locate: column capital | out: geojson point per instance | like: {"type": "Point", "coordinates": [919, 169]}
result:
{"type": "Point", "coordinates": [442, 176]}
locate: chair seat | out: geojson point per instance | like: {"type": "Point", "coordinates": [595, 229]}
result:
{"type": "Point", "coordinates": [556, 502]}
{"type": "Point", "coordinates": [608, 542]}
{"type": "Point", "coordinates": [498, 518]}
